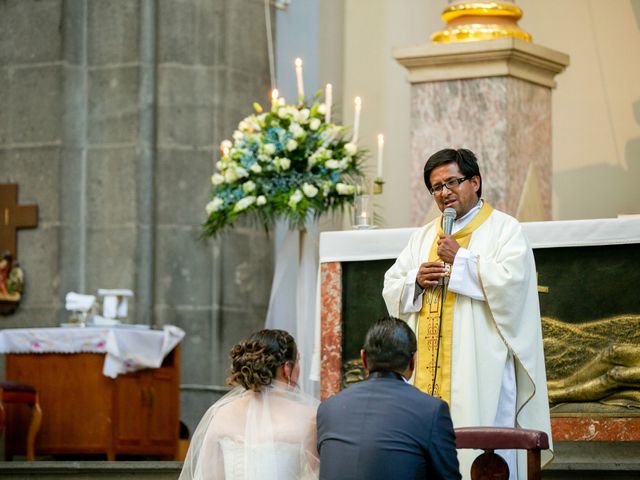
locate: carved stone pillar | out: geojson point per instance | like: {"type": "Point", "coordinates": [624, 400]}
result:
{"type": "Point", "coordinates": [493, 97]}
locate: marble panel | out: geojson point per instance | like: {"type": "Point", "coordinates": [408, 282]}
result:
{"type": "Point", "coordinates": [528, 142]}
{"type": "Point", "coordinates": [331, 329]}
{"type": "Point", "coordinates": [596, 429]}
{"type": "Point", "coordinates": [505, 121]}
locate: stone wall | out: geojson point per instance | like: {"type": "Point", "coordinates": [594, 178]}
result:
{"type": "Point", "coordinates": [110, 117]}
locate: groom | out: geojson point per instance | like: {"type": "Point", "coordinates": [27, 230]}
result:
{"type": "Point", "coordinates": [383, 427]}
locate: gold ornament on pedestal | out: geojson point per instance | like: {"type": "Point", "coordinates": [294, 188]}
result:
{"type": "Point", "coordinates": [474, 21]}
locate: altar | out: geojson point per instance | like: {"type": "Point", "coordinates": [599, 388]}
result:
{"type": "Point", "coordinates": [108, 391]}
{"type": "Point", "coordinates": [587, 272]}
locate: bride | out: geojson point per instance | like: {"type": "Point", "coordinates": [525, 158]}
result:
{"type": "Point", "coordinates": [265, 427]}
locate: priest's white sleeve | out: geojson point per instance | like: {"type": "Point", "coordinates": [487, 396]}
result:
{"type": "Point", "coordinates": [411, 300]}
{"type": "Point", "coordinates": [464, 275]}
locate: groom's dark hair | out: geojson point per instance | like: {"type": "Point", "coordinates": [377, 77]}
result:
{"type": "Point", "coordinates": [390, 343]}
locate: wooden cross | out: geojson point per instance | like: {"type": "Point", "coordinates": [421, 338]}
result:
{"type": "Point", "coordinates": [13, 217]}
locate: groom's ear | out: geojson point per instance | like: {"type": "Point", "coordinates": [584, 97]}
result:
{"type": "Point", "coordinates": [363, 357]}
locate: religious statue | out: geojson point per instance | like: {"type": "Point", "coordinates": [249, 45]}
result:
{"type": "Point", "coordinates": [593, 363]}
{"type": "Point", "coordinates": [11, 283]}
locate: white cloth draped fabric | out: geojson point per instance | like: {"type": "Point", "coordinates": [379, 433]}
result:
{"type": "Point", "coordinates": [292, 306]}
{"type": "Point", "coordinates": [127, 349]}
{"type": "Point", "coordinates": [268, 435]}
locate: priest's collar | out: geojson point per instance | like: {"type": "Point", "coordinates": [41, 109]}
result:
{"type": "Point", "coordinates": [463, 221]}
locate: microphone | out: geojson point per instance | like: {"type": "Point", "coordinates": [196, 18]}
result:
{"type": "Point", "coordinates": [448, 217]}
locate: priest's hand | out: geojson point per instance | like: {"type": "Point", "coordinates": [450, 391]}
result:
{"type": "Point", "coordinates": [430, 273]}
{"type": "Point", "coordinates": [447, 248]}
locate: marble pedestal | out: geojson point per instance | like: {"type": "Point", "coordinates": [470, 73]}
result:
{"type": "Point", "coordinates": [494, 98]}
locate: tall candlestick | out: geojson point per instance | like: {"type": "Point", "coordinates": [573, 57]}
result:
{"type": "Point", "coordinates": [328, 99]}
{"type": "Point", "coordinates": [274, 98]}
{"type": "Point", "coordinates": [380, 150]}
{"type": "Point", "coordinates": [299, 80]}
{"type": "Point", "coordinates": [356, 119]}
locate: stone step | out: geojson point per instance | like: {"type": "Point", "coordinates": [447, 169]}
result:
{"type": "Point", "coordinates": [90, 470]}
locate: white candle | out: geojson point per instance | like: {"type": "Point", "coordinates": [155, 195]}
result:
{"type": "Point", "coordinates": [380, 150]}
{"type": "Point", "coordinates": [274, 98]}
{"type": "Point", "coordinates": [356, 119]}
{"type": "Point", "coordinates": [299, 80]}
{"type": "Point", "coordinates": [328, 99]}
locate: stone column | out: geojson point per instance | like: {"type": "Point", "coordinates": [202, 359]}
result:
{"type": "Point", "coordinates": [493, 97]}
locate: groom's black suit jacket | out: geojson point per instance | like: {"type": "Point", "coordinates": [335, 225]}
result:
{"type": "Point", "coordinates": [383, 428]}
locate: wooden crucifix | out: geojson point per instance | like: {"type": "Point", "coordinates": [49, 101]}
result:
{"type": "Point", "coordinates": [13, 217]}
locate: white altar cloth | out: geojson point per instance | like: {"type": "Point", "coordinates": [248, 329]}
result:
{"type": "Point", "coordinates": [126, 350]}
{"type": "Point", "coordinates": [362, 245]}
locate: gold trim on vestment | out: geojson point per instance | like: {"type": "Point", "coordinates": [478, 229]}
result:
{"type": "Point", "coordinates": [430, 330]}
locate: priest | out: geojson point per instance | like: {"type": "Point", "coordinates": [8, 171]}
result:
{"type": "Point", "coordinates": [471, 297]}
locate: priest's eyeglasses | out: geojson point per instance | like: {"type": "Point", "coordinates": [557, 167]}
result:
{"type": "Point", "coordinates": [450, 184]}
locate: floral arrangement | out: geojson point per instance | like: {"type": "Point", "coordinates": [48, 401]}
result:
{"type": "Point", "coordinates": [290, 162]}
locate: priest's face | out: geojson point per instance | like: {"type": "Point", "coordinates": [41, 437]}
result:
{"type": "Point", "coordinates": [462, 196]}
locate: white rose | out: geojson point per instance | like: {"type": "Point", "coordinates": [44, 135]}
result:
{"type": "Point", "coordinates": [270, 148]}
{"type": "Point", "coordinates": [282, 112]}
{"type": "Point", "coordinates": [243, 125]}
{"type": "Point", "coordinates": [255, 168]}
{"type": "Point", "coordinates": [304, 114]}
{"type": "Point", "coordinates": [285, 163]}
{"type": "Point", "coordinates": [332, 163]}
{"type": "Point", "coordinates": [214, 205]}
{"type": "Point", "coordinates": [309, 190]}
{"type": "Point", "coordinates": [226, 144]}
{"type": "Point", "coordinates": [351, 149]}
{"type": "Point", "coordinates": [219, 165]}
{"type": "Point", "coordinates": [291, 144]}
{"type": "Point", "coordinates": [344, 163]}
{"type": "Point", "coordinates": [230, 175]}
{"type": "Point", "coordinates": [248, 186]}
{"type": "Point", "coordinates": [344, 189]}
{"type": "Point", "coordinates": [296, 130]}
{"type": "Point", "coordinates": [237, 135]}
{"type": "Point", "coordinates": [314, 124]}
{"type": "Point", "coordinates": [295, 198]}
{"type": "Point", "coordinates": [243, 203]}
{"type": "Point", "coordinates": [217, 179]}
{"type": "Point", "coordinates": [261, 200]}
{"type": "Point", "coordinates": [241, 172]}
{"type": "Point", "coordinates": [322, 109]}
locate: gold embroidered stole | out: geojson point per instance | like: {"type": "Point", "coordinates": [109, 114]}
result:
{"type": "Point", "coordinates": [434, 337]}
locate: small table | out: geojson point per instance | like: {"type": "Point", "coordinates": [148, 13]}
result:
{"type": "Point", "coordinates": [102, 390]}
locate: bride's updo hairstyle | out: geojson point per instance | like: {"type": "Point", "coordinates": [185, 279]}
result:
{"type": "Point", "coordinates": [254, 361]}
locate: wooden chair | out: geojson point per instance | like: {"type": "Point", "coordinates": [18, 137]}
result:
{"type": "Point", "coordinates": [490, 465]}
{"type": "Point", "coordinates": [13, 392]}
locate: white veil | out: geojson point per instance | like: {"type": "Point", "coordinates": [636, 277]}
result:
{"type": "Point", "coordinates": [246, 435]}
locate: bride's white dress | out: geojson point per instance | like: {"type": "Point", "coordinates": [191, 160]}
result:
{"type": "Point", "coordinates": [269, 435]}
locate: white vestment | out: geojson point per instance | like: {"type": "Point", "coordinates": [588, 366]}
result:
{"type": "Point", "coordinates": [489, 330]}
{"type": "Point", "coordinates": [246, 435]}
